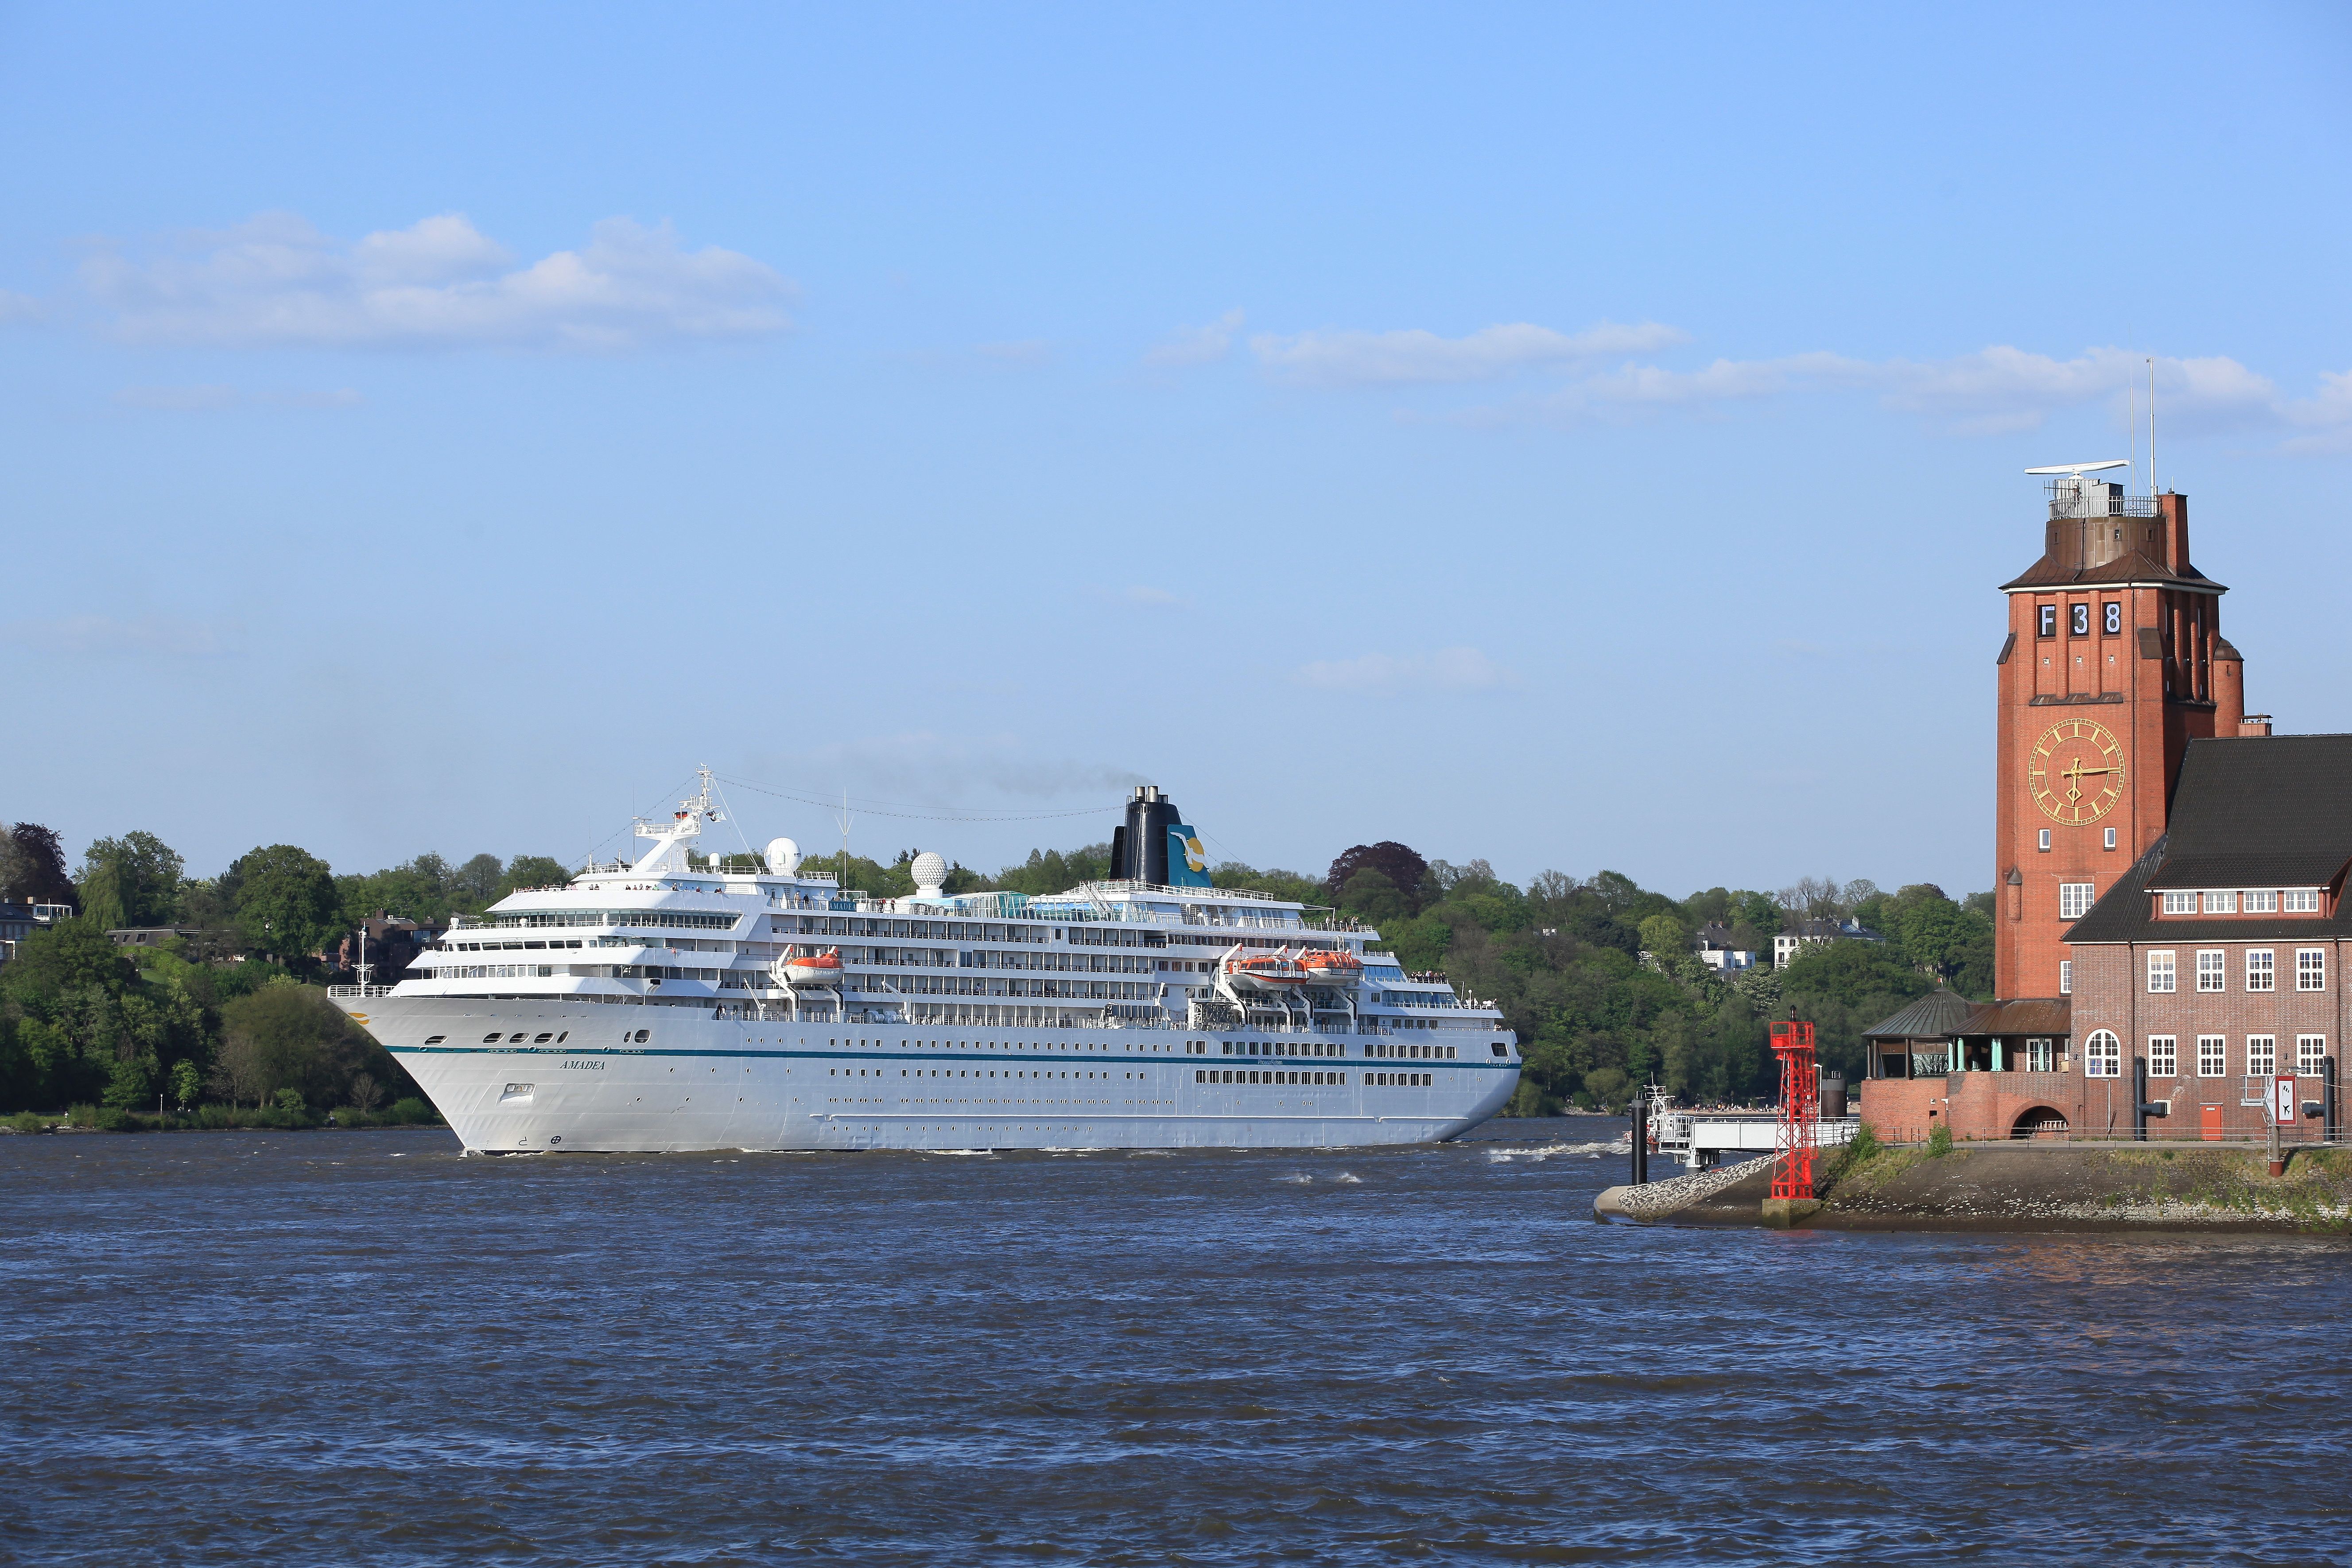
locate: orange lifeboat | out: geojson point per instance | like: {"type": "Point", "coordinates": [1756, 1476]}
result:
{"type": "Point", "coordinates": [819, 969]}
{"type": "Point", "coordinates": [1266, 971]}
{"type": "Point", "coordinates": [1332, 966]}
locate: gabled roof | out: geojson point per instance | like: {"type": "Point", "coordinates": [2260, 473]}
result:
{"type": "Point", "coordinates": [2259, 811]}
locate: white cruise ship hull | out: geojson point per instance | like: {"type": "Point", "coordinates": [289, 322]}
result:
{"type": "Point", "coordinates": [579, 1079]}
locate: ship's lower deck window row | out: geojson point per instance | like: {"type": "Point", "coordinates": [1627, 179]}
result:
{"type": "Point", "coordinates": [1269, 1075]}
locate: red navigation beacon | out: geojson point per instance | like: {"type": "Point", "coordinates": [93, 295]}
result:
{"type": "Point", "coordinates": [1798, 1133]}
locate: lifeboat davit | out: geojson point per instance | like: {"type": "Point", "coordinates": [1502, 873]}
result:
{"type": "Point", "coordinates": [1332, 966]}
{"type": "Point", "coordinates": [817, 969]}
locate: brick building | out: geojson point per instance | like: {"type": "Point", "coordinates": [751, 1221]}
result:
{"type": "Point", "coordinates": [2218, 960]}
{"type": "Point", "coordinates": [2143, 818]}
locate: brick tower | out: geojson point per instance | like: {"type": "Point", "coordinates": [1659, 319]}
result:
{"type": "Point", "coordinates": [2114, 661]}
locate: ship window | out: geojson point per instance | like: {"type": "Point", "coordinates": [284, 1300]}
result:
{"type": "Point", "coordinates": [1499, 1048]}
{"type": "Point", "coordinates": [641, 1037]}
{"type": "Point", "coordinates": [542, 1037]}
{"type": "Point", "coordinates": [514, 1038]}
{"type": "Point", "coordinates": [436, 1039]}
{"type": "Point", "coordinates": [489, 1039]}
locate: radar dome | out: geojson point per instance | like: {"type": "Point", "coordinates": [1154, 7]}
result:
{"type": "Point", "coordinates": [784, 857]}
{"type": "Point", "coordinates": [929, 870]}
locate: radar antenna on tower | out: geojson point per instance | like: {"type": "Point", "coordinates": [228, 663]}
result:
{"type": "Point", "coordinates": [2078, 469]}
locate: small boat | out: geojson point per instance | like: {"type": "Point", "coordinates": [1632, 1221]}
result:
{"type": "Point", "coordinates": [1279, 970]}
{"type": "Point", "coordinates": [818, 969]}
{"type": "Point", "coordinates": [1332, 966]}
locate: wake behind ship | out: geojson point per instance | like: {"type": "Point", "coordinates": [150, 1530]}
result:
{"type": "Point", "coordinates": [663, 1007]}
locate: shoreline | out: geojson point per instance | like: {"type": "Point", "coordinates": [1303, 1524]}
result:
{"type": "Point", "coordinates": [2136, 1188]}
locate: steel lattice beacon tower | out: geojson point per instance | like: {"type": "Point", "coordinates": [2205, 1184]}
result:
{"type": "Point", "coordinates": [2114, 662]}
{"type": "Point", "coordinates": [1800, 1111]}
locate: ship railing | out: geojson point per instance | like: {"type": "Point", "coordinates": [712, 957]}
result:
{"type": "Point", "coordinates": [357, 993]}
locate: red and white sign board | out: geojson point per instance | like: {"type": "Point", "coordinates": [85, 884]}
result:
{"type": "Point", "coordinates": [2283, 1106]}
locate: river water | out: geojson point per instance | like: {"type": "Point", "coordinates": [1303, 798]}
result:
{"type": "Point", "coordinates": [359, 1347]}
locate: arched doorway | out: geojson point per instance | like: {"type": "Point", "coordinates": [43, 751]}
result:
{"type": "Point", "coordinates": [2040, 1122]}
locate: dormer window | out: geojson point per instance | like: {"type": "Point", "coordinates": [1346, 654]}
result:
{"type": "Point", "coordinates": [2180, 903]}
{"type": "Point", "coordinates": [2300, 901]}
{"type": "Point", "coordinates": [2221, 903]}
{"type": "Point", "coordinates": [2262, 902]}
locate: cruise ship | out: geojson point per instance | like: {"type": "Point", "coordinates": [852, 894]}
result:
{"type": "Point", "coordinates": [668, 1004]}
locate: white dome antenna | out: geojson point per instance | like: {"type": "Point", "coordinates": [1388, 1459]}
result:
{"type": "Point", "coordinates": [784, 857]}
{"type": "Point", "coordinates": [931, 873]}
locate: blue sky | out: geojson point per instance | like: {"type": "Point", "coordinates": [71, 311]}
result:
{"type": "Point", "coordinates": [1581, 439]}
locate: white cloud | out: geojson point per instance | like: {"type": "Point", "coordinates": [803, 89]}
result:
{"type": "Point", "coordinates": [1197, 345]}
{"type": "Point", "coordinates": [2000, 388]}
{"type": "Point", "coordinates": [2327, 419]}
{"type": "Point", "coordinates": [113, 635]}
{"type": "Point", "coordinates": [1354, 358]}
{"type": "Point", "coordinates": [20, 308]}
{"type": "Point", "coordinates": [1389, 674]}
{"type": "Point", "coordinates": [276, 282]}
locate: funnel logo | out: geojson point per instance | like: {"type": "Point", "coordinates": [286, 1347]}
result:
{"type": "Point", "coordinates": [1188, 863]}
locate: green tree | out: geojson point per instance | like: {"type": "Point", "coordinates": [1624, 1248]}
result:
{"type": "Point", "coordinates": [287, 904]}
{"type": "Point", "coordinates": [533, 871]}
{"type": "Point", "coordinates": [187, 1084]}
{"type": "Point", "coordinates": [1371, 895]}
{"type": "Point", "coordinates": [477, 882]}
{"type": "Point", "coordinates": [132, 1083]}
{"type": "Point", "coordinates": [1666, 937]}
{"type": "Point", "coordinates": [290, 1037]}
{"type": "Point", "coordinates": [133, 880]}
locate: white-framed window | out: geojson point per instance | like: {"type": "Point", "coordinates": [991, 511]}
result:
{"type": "Point", "coordinates": [2262, 902]}
{"type": "Point", "coordinates": [2043, 842]}
{"type": "Point", "coordinates": [2180, 903]}
{"type": "Point", "coordinates": [2212, 1056]}
{"type": "Point", "coordinates": [2311, 1054]}
{"type": "Point", "coordinates": [2073, 900]}
{"type": "Point", "coordinates": [2103, 1057]}
{"type": "Point", "coordinates": [2221, 903]}
{"type": "Point", "coordinates": [2212, 969]}
{"type": "Point", "coordinates": [2261, 972]}
{"type": "Point", "coordinates": [2065, 977]}
{"type": "Point", "coordinates": [2311, 969]}
{"type": "Point", "coordinates": [2038, 1056]}
{"type": "Point", "coordinates": [2299, 901]}
{"type": "Point", "coordinates": [2159, 972]}
{"type": "Point", "coordinates": [2111, 838]}
{"type": "Point", "coordinates": [2261, 1054]}
{"type": "Point", "coordinates": [2163, 1055]}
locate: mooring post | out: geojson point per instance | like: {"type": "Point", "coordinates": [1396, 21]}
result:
{"type": "Point", "coordinates": [1641, 1138]}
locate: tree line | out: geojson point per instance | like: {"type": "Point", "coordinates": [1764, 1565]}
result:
{"type": "Point", "coordinates": [232, 1014]}
{"type": "Point", "coordinates": [1597, 975]}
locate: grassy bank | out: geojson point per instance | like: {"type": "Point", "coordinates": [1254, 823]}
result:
{"type": "Point", "coordinates": [1943, 1185]}
{"type": "Point", "coordinates": [410, 1112]}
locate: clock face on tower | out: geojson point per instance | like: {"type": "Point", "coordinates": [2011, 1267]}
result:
{"type": "Point", "coordinates": [2076, 771]}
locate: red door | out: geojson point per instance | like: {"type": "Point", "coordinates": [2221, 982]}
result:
{"type": "Point", "coordinates": [2211, 1126]}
